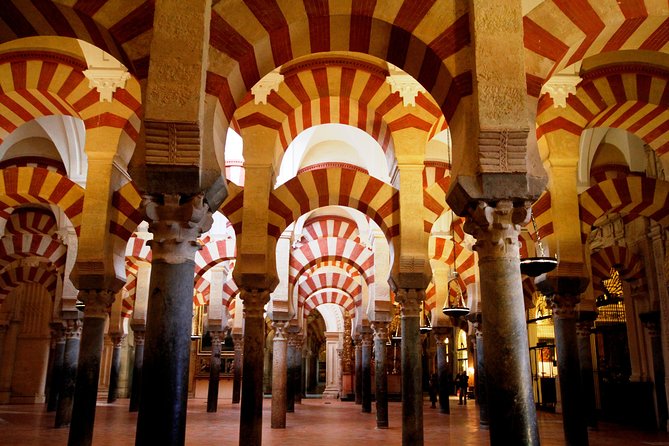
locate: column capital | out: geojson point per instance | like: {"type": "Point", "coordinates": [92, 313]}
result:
{"type": "Point", "coordinates": [138, 333]}
{"type": "Point", "coordinates": [238, 342]}
{"type": "Point", "coordinates": [176, 222]}
{"type": "Point", "coordinates": [410, 300]}
{"type": "Point", "coordinates": [295, 338]}
{"type": "Point", "coordinates": [496, 226]}
{"type": "Point", "coordinates": [73, 328]}
{"type": "Point", "coordinates": [279, 330]}
{"type": "Point", "coordinates": [564, 305]}
{"type": "Point", "coordinates": [117, 339]}
{"type": "Point", "coordinates": [254, 301]}
{"type": "Point", "coordinates": [215, 337]}
{"type": "Point", "coordinates": [367, 338]}
{"type": "Point", "coordinates": [57, 330]}
{"type": "Point", "coordinates": [584, 328]}
{"type": "Point", "coordinates": [380, 330]}
{"type": "Point", "coordinates": [97, 302]}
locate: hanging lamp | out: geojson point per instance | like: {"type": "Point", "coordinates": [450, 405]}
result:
{"type": "Point", "coordinates": [460, 309]}
{"type": "Point", "coordinates": [536, 266]}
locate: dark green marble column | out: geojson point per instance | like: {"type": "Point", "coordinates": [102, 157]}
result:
{"type": "Point", "coordinates": [381, 373]}
{"type": "Point", "coordinates": [68, 378]}
{"type": "Point", "coordinates": [139, 334]}
{"type": "Point", "coordinates": [214, 371]}
{"type": "Point", "coordinates": [58, 330]}
{"type": "Point", "coordinates": [367, 371]}
{"type": "Point", "coordinates": [238, 367]}
{"type": "Point", "coordinates": [443, 369]}
{"type": "Point", "coordinates": [115, 368]}
{"type": "Point", "coordinates": [358, 370]}
{"type": "Point", "coordinates": [583, 332]}
{"type": "Point", "coordinates": [412, 369]}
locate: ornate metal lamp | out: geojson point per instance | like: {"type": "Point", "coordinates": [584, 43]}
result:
{"type": "Point", "coordinates": [459, 308]}
{"type": "Point", "coordinates": [536, 266]}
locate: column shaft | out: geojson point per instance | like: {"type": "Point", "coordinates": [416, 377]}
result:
{"type": "Point", "coordinates": [238, 366]}
{"type": "Point", "coordinates": [481, 388]}
{"type": "Point", "coordinates": [583, 330]}
{"type": "Point", "coordinates": [381, 373]}
{"type": "Point", "coordinates": [69, 375]}
{"type": "Point", "coordinates": [291, 388]}
{"type": "Point", "coordinates": [139, 332]}
{"type": "Point", "coordinates": [443, 373]}
{"type": "Point", "coordinates": [115, 369]}
{"type": "Point", "coordinates": [214, 372]}
{"type": "Point", "coordinates": [412, 373]}
{"type": "Point", "coordinates": [162, 405]}
{"type": "Point", "coordinates": [279, 376]}
{"type": "Point", "coordinates": [56, 370]}
{"type": "Point", "coordinates": [358, 370]}
{"type": "Point", "coordinates": [250, 429]}
{"type": "Point", "coordinates": [367, 372]}
{"type": "Point", "coordinates": [564, 320]}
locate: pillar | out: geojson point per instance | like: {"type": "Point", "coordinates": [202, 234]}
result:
{"type": "Point", "coordinates": [8, 358]}
{"type": "Point", "coordinates": [358, 370]}
{"type": "Point", "coordinates": [214, 371]}
{"type": "Point", "coordinates": [238, 341]}
{"type": "Point", "coordinates": [381, 373]}
{"type": "Point", "coordinates": [97, 303]}
{"type": "Point", "coordinates": [651, 321]}
{"type": "Point", "coordinates": [333, 365]}
{"type": "Point", "coordinates": [58, 332]}
{"type": "Point", "coordinates": [117, 342]}
{"type": "Point", "coordinates": [443, 369]}
{"type": "Point", "coordinates": [583, 332]}
{"type": "Point", "coordinates": [481, 390]}
{"type": "Point", "coordinates": [513, 418]}
{"type": "Point", "coordinates": [412, 374]}
{"type": "Point", "coordinates": [69, 375]}
{"type": "Point", "coordinates": [279, 375]}
{"type": "Point", "coordinates": [49, 368]}
{"type": "Point", "coordinates": [299, 370]}
{"type": "Point", "coordinates": [564, 320]}
{"type": "Point", "coordinates": [250, 428]}
{"type": "Point", "coordinates": [367, 371]}
{"type": "Point", "coordinates": [294, 344]}
{"type": "Point", "coordinates": [175, 223]}
{"type": "Point", "coordinates": [139, 332]}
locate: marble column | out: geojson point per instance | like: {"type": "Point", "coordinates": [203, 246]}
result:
{"type": "Point", "coordinates": [139, 332]}
{"type": "Point", "coordinates": [58, 330]}
{"type": "Point", "coordinates": [68, 377]}
{"type": "Point", "coordinates": [481, 389]}
{"type": "Point", "coordinates": [583, 332]}
{"type": "Point", "coordinates": [279, 376]}
{"type": "Point", "coordinates": [358, 370]}
{"type": "Point", "coordinates": [238, 341]}
{"type": "Point", "coordinates": [214, 371]}
{"type": "Point", "coordinates": [564, 320]}
{"type": "Point", "coordinates": [97, 304]}
{"type": "Point", "coordinates": [412, 373]}
{"type": "Point", "coordinates": [294, 343]}
{"type": "Point", "coordinates": [367, 340]}
{"type": "Point", "coordinates": [49, 367]}
{"type": "Point", "coordinates": [117, 342]}
{"type": "Point", "coordinates": [651, 321]}
{"type": "Point", "coordinates": [250, 428]}
{"type": "Point", "coordinates": [8, 358]}
{"type": "Point", "coordinates": [381, 373]}
{"type": "Point", "coordinates": [443, 369]}
{"type": "Point", "coordinates": [298, 371]}
{"type": "Point", "coordinates": [175, 222]}
{"type": "Point", "coordinates": [512, 413]}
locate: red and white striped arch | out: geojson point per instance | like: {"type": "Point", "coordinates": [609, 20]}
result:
{"type": "Point", "coordinates": [330, 296]}
{"type": "Point", "coordinates": [334, 187]}
{"type": "Point", "coordinates": [213, 253]}
{"type": "Point", "coordinates": [631, 196]}
{"type": "Point", "coordinates": [125, 215]}
{"type": "Point", "coordinates": [558, 33]}
{"type": "Point", "coordinates": [232, 207]}
{"type": "Point", "coordinates": [315, 252]}
{"type": "Point", "coordinates": [31, 221]}
{"type": "Point", "coordinates": [29, 245]}
{"type": "Point", "coordinates": [130, 287]}
{"type": "Point", "coordinates": [632, 97]}
{"type": "Point", "coordinates": [44, 83]}
{"type": "Point", "coordinates": [434, 199]}
{"type": "Point", "coordinates": [628, 265]}
{"type": "Point", "coordinates": [138, 249]}
{"type": "Point", "coordinates": [249, 39]}
{"type": "Point", "coordinates": [343, 265]}
{"type": "Point", "coordinates": [14, 277]}
{"type": "Point", "coordinates": [330, 226]}
{"type": "Point", "coordinates": [23, 185]}
{"type": "Point", "coordinates": [329, 279]}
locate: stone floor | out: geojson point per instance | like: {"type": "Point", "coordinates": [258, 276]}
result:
{"type": "Point", "coordinates": [315, 422]}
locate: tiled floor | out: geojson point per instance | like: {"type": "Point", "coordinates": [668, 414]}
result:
{"type": "Point", "coordinates": [315, 423]}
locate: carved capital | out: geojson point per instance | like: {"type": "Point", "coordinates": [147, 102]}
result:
{"type": "Point", "coordinates": [410, 300]}
{"type": "Point", "coordinates": [73, 329]}
{"type": "Point", "coordinates": [380, 330]}
{"type": "Point", "coordinates": [117, 340]}
{"type": "Point", "coordinates": [496, 227]}
{"type": "Point", "coordinates": [367, 339]}
{"type": "Point", "coordinates": [254, 301]}
{"type": "Point", "coordinates": [57, 330]}
{"type": "Point", "coordinates": [97, 302]}
{"type": "Point", "coordinates": [295, 339]}
{"type": "Point", "coordinates": [279, 330]}
{"type": "Point", "coordinates": [238, 342]}
{"type": "Point", "coordinates": [564, 305]}
{"type": "Point", "coordinates": [106, 80]}
{"type": "Point", "coordinates": [265, 86]}
{"type": "Point", "coordinates": [559, 87]}
{"type": "Point", "coordinates": [176, 222]}
{"type": "Point", "coordinates": [584, 328]}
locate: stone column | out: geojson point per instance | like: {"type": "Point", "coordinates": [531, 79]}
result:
{"type": "Point", "coordinates": [238, 341]}
{"type": "Point", "coordinates": [358, 370]}
{"type": "Point", "coordinates": [175, 223]}
{"type": "Point", "coordinates": [139, 332]}
{"type": "Point", "coordinates": [250, 429]}
{"type": "Point", "coordinates": [651, 320]}
{"type": "Point", "coordinates": [294, 344]}
{"type": "Point", "coordinates": [443, 369]}
{"type": "Point", "coordinates": [583, 331]}
{"type": "Point", "coordinates": [97, 304]}
{"type": "Point", "coordinates": [58, 332]}
{"type": "Point", "coordinates": [298, 371]}
{"type": "Point", "coordinates": [367, 371]}
{"type": "Point", "coordinates": [481, 389]}
{"type": "Point", "coordinates": [8, 358]}
{"type": "Point", "coordinates": [513, 418]}
{"type": "Point", "coordinates": [381, 373]}
{"type": "Point", "coordinates": [564, 320]}
{"type": "Point", "coordinates": [279, 376]}
{"type": "Point", "coordinates": [49, 367]}
{"type": "Point", "coordinates": [69, 376]}
{"type": "Point", "coordinates": [412, 373]}
{"type": "Point", "coordinates": [117, 342]}
{"type": "Point", "coordinates": [214, 371]}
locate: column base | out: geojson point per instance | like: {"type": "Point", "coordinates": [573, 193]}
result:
{"type": "Point", "coordinates": [330, 394]}
{"type": "Point", "coordinates": [36, 399]}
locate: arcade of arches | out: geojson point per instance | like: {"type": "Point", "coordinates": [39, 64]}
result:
{"type": "Point", "coordinates": [236, 199]}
